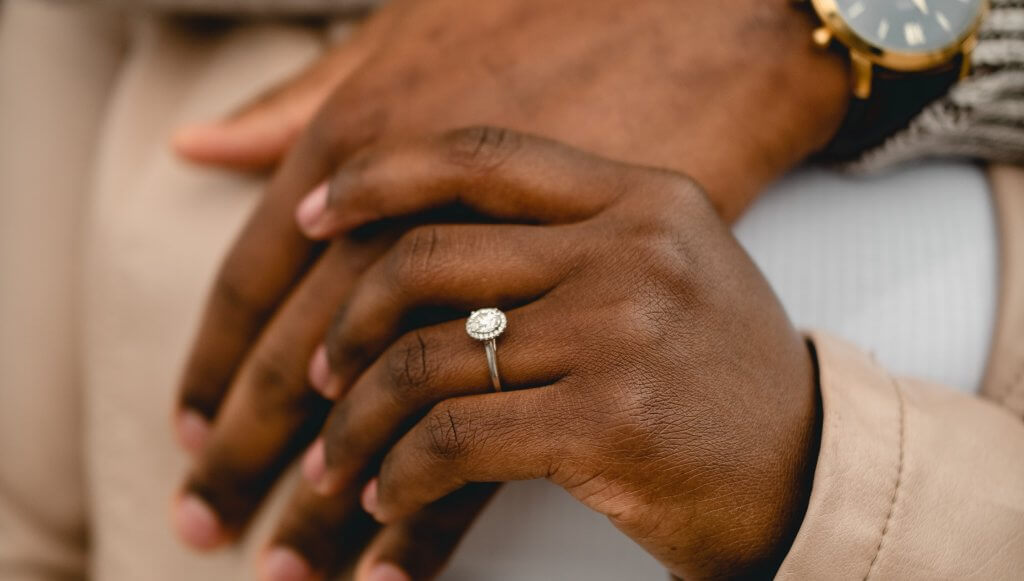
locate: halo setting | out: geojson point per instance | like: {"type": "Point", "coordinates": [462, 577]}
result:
{"type": "Point", "coordinates": [486, 324]}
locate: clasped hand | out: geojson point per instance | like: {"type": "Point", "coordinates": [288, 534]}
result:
{"type": "Point", "coordinates": [648, 367]}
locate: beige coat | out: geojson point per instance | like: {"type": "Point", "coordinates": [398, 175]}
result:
{"type": "Point", "coordinates": [107, 244]}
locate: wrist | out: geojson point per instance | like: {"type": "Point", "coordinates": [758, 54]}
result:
{"type": "Point", "coordinates": [788, 101]}
{"type": "Point", "coordinates": [820, 80]}
{"type": "Point", "coordinates": [796, 488]}
{"type": "Point", "coordinates": [770, 475]}
{"type": "Point", "coordinates": [786, 480]}
{"type": "Point", "coordinates": [783, 476]}
{"type": "Point", "coordinates": [805, 91]}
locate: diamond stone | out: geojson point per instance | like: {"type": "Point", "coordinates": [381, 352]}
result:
{"type": "Point", "coordinates": [486, 324]}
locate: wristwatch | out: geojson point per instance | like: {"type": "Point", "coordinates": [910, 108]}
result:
{"type": "Point", "coordinates": [904, 54]}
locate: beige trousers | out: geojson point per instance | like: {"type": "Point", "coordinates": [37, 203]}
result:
{"type": "Point", "coordinates": [90, 188]}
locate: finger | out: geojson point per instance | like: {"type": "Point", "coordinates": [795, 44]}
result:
{"type": "Point", "coordinates": [267, 258]}
{"type": "Point", "coordinates": [422, 368]}
{"type": "Point", "coordinates": [418, 547]}
{"type": "Point", "coordinates": [518, 435]}
{"type": "Point", "coordinates": [271, 413]}
{"type": "Point", "coordinates": [317, 537]}
{"type": "Point", "coordinates": [320, 537]}
{"type": "Point", "coordinates": [270, 253]}
{"type": "Point", "coordinates": [259, 133]}
{"type": "Point", "coordinates": [494, 172]}
{"type": "Point", "coordinates": [444, 271]}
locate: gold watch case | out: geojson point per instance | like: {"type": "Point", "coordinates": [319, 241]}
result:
{"type": "Point", "coordinates": [865, 55]}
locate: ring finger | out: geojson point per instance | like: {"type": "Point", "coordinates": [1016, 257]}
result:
{"type": "Point", "coordinates": [426, 366]}
{"type": "Point", "coordinates": [437, 273]}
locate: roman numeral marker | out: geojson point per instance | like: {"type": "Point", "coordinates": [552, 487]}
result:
{"type": "Point", "coordinates": [914, 34]}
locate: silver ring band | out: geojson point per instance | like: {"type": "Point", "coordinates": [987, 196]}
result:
{"type": "Point", "coordinates": [491, 348]}
{"type": "Point", "coordinates": [486, 325]}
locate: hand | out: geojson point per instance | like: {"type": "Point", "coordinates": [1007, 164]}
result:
{"type": "Point", "coordinates": [259, 134]}
{"type": "Point", "coordinates": [647, 366]}
{"type": "Point", "coordinates": [677, 84]}
{"type": "Point", "coordinates": [268, 420]}
{"type": "Point", "coordinates": [700, 87]}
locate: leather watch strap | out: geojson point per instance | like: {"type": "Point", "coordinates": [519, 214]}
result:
{"type": "Point", "coordinates": [896, 98]}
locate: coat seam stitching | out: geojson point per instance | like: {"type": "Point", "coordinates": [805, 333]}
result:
{"type": "Point", "coordinates": [899, 479]}
{"type": "Point", "coordinates": [1015, 385]}
{"type": "Point", "coordinates": [1013, 382]}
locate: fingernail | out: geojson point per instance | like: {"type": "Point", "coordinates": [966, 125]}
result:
{"type": "Point", "coordinates": [312, 208]}
{"type": "Point", "coordinates": [197, 524]}
{"type": "Point", "coordinates": [284, 564]}
{"type": "Point", "coordinates": [369, 497]}
{"type": "Point", "coordinates": [314, 465]}
{"type": "Point", "coordinates": [386, 572]}
{"type": "Point", "coordinates": [320, 372]}
{"type": "Point", "coordinates": [193, 430]}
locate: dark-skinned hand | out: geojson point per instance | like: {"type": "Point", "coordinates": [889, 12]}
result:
{"type": "Point", "coordinates": [731, 93]}
{"type": "Point", "coordinates": [687, 85]}
{"type": "Point", "coordinates": [648, 368]}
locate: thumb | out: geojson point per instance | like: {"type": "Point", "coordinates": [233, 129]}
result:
{"type": "Point", "coordinates": [258, 135]}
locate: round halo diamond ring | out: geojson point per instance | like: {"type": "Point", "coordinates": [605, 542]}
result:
{"type": "Point", "coordinates": [487, 325]}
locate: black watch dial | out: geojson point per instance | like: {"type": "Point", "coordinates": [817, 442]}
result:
{"type": "Point", "coordinates": [916, 26]}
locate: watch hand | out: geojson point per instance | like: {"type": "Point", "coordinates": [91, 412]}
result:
{"type": "Point", "coordinates": [922, 5]}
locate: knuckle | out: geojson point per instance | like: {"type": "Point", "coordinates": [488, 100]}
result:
{"type": "Point", "coordinates": [409, 371]}
{"type": "Point", "coordinates": [641, 325]}
{"type": "Point", "coordinates": [416, 257]}
{"type": "Point", "coordinates": [654, 320]}
{"type": "Point", "coordinates": [334, 137]}
{"type": "Point", "coordinates": [680, 199]}
{"type": "Point", "coordinates": [670, 187]}
{"type": "Point", "coordinates": [233, 291]}
{"type": "Point", "coordinates": [350, 181]}
{"type": "Point", "coordinates": [342, 441]}
{"type": "Point", "coordinates": [325, 138]}
{"type": "Point", "coordinates": [668, 248]}
{"type": "Point", "coordinates": [277, 385]}
{"type": "Point", "coordinates": [447, 433]}
{"type": "Point", "coordinates": [667, 256]}
{"type": "Point", "coordinates": [342, 350]}
{"type": "Point", "coordinates": [482, 148]}
{"type": "Point", "coordinates": [203, 386]}
{"type": "Point", "coordinates": [682, 187]}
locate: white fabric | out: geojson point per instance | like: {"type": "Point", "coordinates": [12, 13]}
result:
{"type": "Point", "coordinates": [904, 265]}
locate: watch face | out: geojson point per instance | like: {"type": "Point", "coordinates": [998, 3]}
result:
{"type": "Point", "coordinates": [910, 25]}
